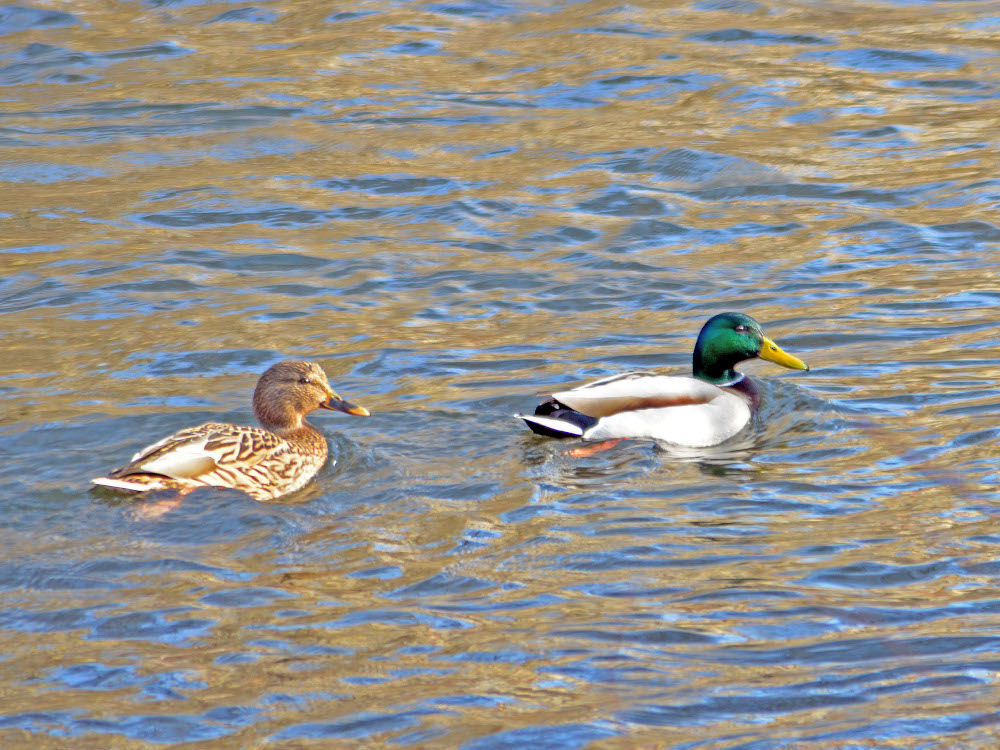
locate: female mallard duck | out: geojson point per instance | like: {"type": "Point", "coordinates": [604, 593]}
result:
{"type": "Point", "coordinates": [695, 412]}
{"type": "Point", "coordinates": [278, 457]}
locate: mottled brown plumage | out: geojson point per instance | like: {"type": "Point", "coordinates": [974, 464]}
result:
{"type": "Point", "coordinates": [266, 462]}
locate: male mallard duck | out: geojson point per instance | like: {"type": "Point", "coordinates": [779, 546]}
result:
{"type": "Point", "coordinates": [278, 457]}
{"type": "Point", "coordinates": [696, 411]}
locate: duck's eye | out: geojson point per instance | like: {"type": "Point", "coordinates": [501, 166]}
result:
{"type": "Point", "coordinates": [740, 328]}
{"type": "Point", "coordinates": [305, 381]}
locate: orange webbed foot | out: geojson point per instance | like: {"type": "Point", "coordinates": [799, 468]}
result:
{"type": "Point", "coordinates": [590, 450]}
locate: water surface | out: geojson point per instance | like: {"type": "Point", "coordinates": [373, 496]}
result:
{"type": "Point", "coordinates": [453, 207]}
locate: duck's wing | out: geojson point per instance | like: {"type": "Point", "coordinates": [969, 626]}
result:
{"type": "Point", "coordinates": [636, 392]}
{"type": "Point", "coordinates": [196, 451]}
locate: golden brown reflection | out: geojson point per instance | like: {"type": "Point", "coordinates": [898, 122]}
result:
{"type": "Point", "coordinates": [535, 196]}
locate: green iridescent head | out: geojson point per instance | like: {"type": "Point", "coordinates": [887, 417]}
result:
{"type": "Point", "coordinates": [730, 338]}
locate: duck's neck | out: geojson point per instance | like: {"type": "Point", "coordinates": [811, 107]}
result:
{"type": "Point", "coordinates": [285, 423]}
{"type": "Point", "coordinates": [302, 433]}
{"type": "Point", "coordinates": [287, 429]}
{"type": "Point", "coordinates": [714, 372]}
{"type": "Point", "coordinates": [305, 434]}
{"type": "Point", "coordinates": [279, 422]}
{"type": "Point", "coordinates": [748, 389]}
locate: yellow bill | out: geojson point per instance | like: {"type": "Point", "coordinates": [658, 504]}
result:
{"type": "Point", "coordinates": [774, 353]}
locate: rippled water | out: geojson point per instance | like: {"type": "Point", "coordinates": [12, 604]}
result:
{"type": "Point", "coordinates": [453, 207]}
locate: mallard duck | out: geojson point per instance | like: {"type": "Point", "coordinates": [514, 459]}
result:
{"type": "Point", "coordinates": [278, 457]}
{"type": "Point", "coordinates": [699, 411]}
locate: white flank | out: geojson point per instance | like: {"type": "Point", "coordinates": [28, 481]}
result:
{"type": "Point", "coordinates": [627, 408]}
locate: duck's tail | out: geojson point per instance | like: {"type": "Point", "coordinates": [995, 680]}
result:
{"type": "Point", "coordinates": [553, 419]}
{"type": "Point", "coordinates": [136, 483]}
{"type": "Point", "coordinates": [551, 427]}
